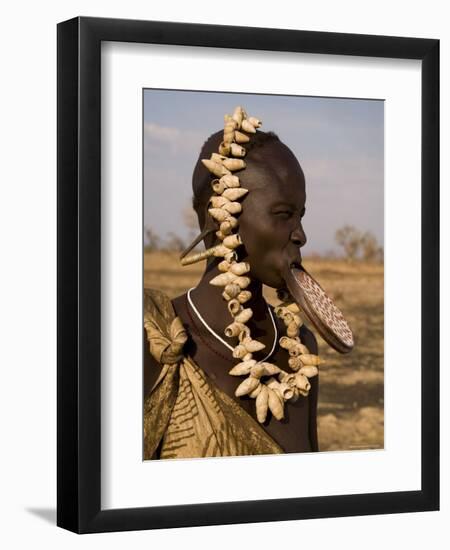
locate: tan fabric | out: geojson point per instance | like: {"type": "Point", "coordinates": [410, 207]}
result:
{"type": "Point", "coordinates": [185, 411]}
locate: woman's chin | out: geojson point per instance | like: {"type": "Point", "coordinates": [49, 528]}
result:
{"type": "Point", "coordinates": [275, 282]}
{"type": "Point", "coordinates": [272, 278]}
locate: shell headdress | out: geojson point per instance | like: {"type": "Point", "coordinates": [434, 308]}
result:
{"type": "Point", "coordinates": [267, 383]}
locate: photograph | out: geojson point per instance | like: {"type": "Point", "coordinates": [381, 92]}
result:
{"type": "Point", "coordinates": [263, 259]}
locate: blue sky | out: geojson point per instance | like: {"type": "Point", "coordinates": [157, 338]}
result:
{"type": "Point", "coordinates": [338, 142]}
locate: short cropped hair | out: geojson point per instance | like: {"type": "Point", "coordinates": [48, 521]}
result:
{"type": "Point", "coordinates": [201, 178]}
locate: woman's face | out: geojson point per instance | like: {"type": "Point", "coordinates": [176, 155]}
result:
{"type": "Point", "coordinates": [270, 223]}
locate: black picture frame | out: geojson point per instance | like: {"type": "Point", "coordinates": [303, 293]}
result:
{"type": "Point", "coordinates": [79, 275]}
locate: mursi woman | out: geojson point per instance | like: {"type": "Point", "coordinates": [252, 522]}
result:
{"type": "Point", "coordinates": [225, 373]}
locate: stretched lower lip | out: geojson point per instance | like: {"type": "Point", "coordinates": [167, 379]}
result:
{"type": "Point", "coordinates": [296, 265]}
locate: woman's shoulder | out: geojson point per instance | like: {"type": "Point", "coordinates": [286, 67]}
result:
{"type": "Point", "coordinates": [178, 303]}
{"type": "Point", "coordinates": [159, 310]}
{"type": "Point", "coordinates": [158, 302]}
{"type": "Point", "coordinates": [165, 331]}
{"type": "Point", "coordinates": [154, 298]}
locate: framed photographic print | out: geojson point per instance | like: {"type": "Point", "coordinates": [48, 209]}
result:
{"type": "Point", "coordinates": [248, 258]}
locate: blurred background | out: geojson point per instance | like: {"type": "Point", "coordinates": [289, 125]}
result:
{"type": "Point", "coordinates": [339, 143]}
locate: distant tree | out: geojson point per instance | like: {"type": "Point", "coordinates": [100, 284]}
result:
{"type": "Point", "coordinates": [370, 249]}
{"type": "Point", "coordinates": [380, 255]}
{"type": "Point", "coordinates": [350, 239]}
{"type": "Point", "coordinates": [330, 254]}
{"type": "Point", "coordinates": [153, 241]}
{"type": "Point", "coordinates": [174, 243]}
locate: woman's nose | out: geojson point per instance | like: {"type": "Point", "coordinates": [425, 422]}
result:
{"type": "Point", "coordinates": [298, 236]}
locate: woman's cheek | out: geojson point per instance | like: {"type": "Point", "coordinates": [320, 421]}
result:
{"type": "Point", "coordinates": [253, 237]}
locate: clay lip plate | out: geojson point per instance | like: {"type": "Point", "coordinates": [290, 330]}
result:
{"type": "Point", "coordinates": [324, 315]}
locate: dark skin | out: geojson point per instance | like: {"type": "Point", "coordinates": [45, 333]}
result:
{"type": "Point", "coordinates": [270, 226]}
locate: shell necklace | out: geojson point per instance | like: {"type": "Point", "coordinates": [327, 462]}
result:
{"type": "Point", "coordinates": [205, 324]}
{"type": "Point", "coordinates": [265, 382]}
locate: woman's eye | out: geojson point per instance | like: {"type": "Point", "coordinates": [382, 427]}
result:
{"type": "Point", "coordinates": [284, 214]}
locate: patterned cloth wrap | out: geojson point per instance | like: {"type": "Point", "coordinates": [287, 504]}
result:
{"type": "Point", "coordinates": [185, 413]}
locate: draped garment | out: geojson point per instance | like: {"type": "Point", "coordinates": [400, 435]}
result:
{"type": "Point", "coordinates": [185, 414]}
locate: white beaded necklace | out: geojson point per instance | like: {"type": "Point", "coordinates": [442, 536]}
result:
{"type": "Point", "coordinates": [205, 324]}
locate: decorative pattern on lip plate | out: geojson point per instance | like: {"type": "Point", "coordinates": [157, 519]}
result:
{"type": "Point", "coordinates": [323, 307]}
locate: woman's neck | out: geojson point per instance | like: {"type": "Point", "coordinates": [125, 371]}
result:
{"type": "Point", "coordinates": [209, 301]}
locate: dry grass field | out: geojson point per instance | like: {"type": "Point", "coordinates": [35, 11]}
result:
{"type": "Point", "coordinates": [351, 404]}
